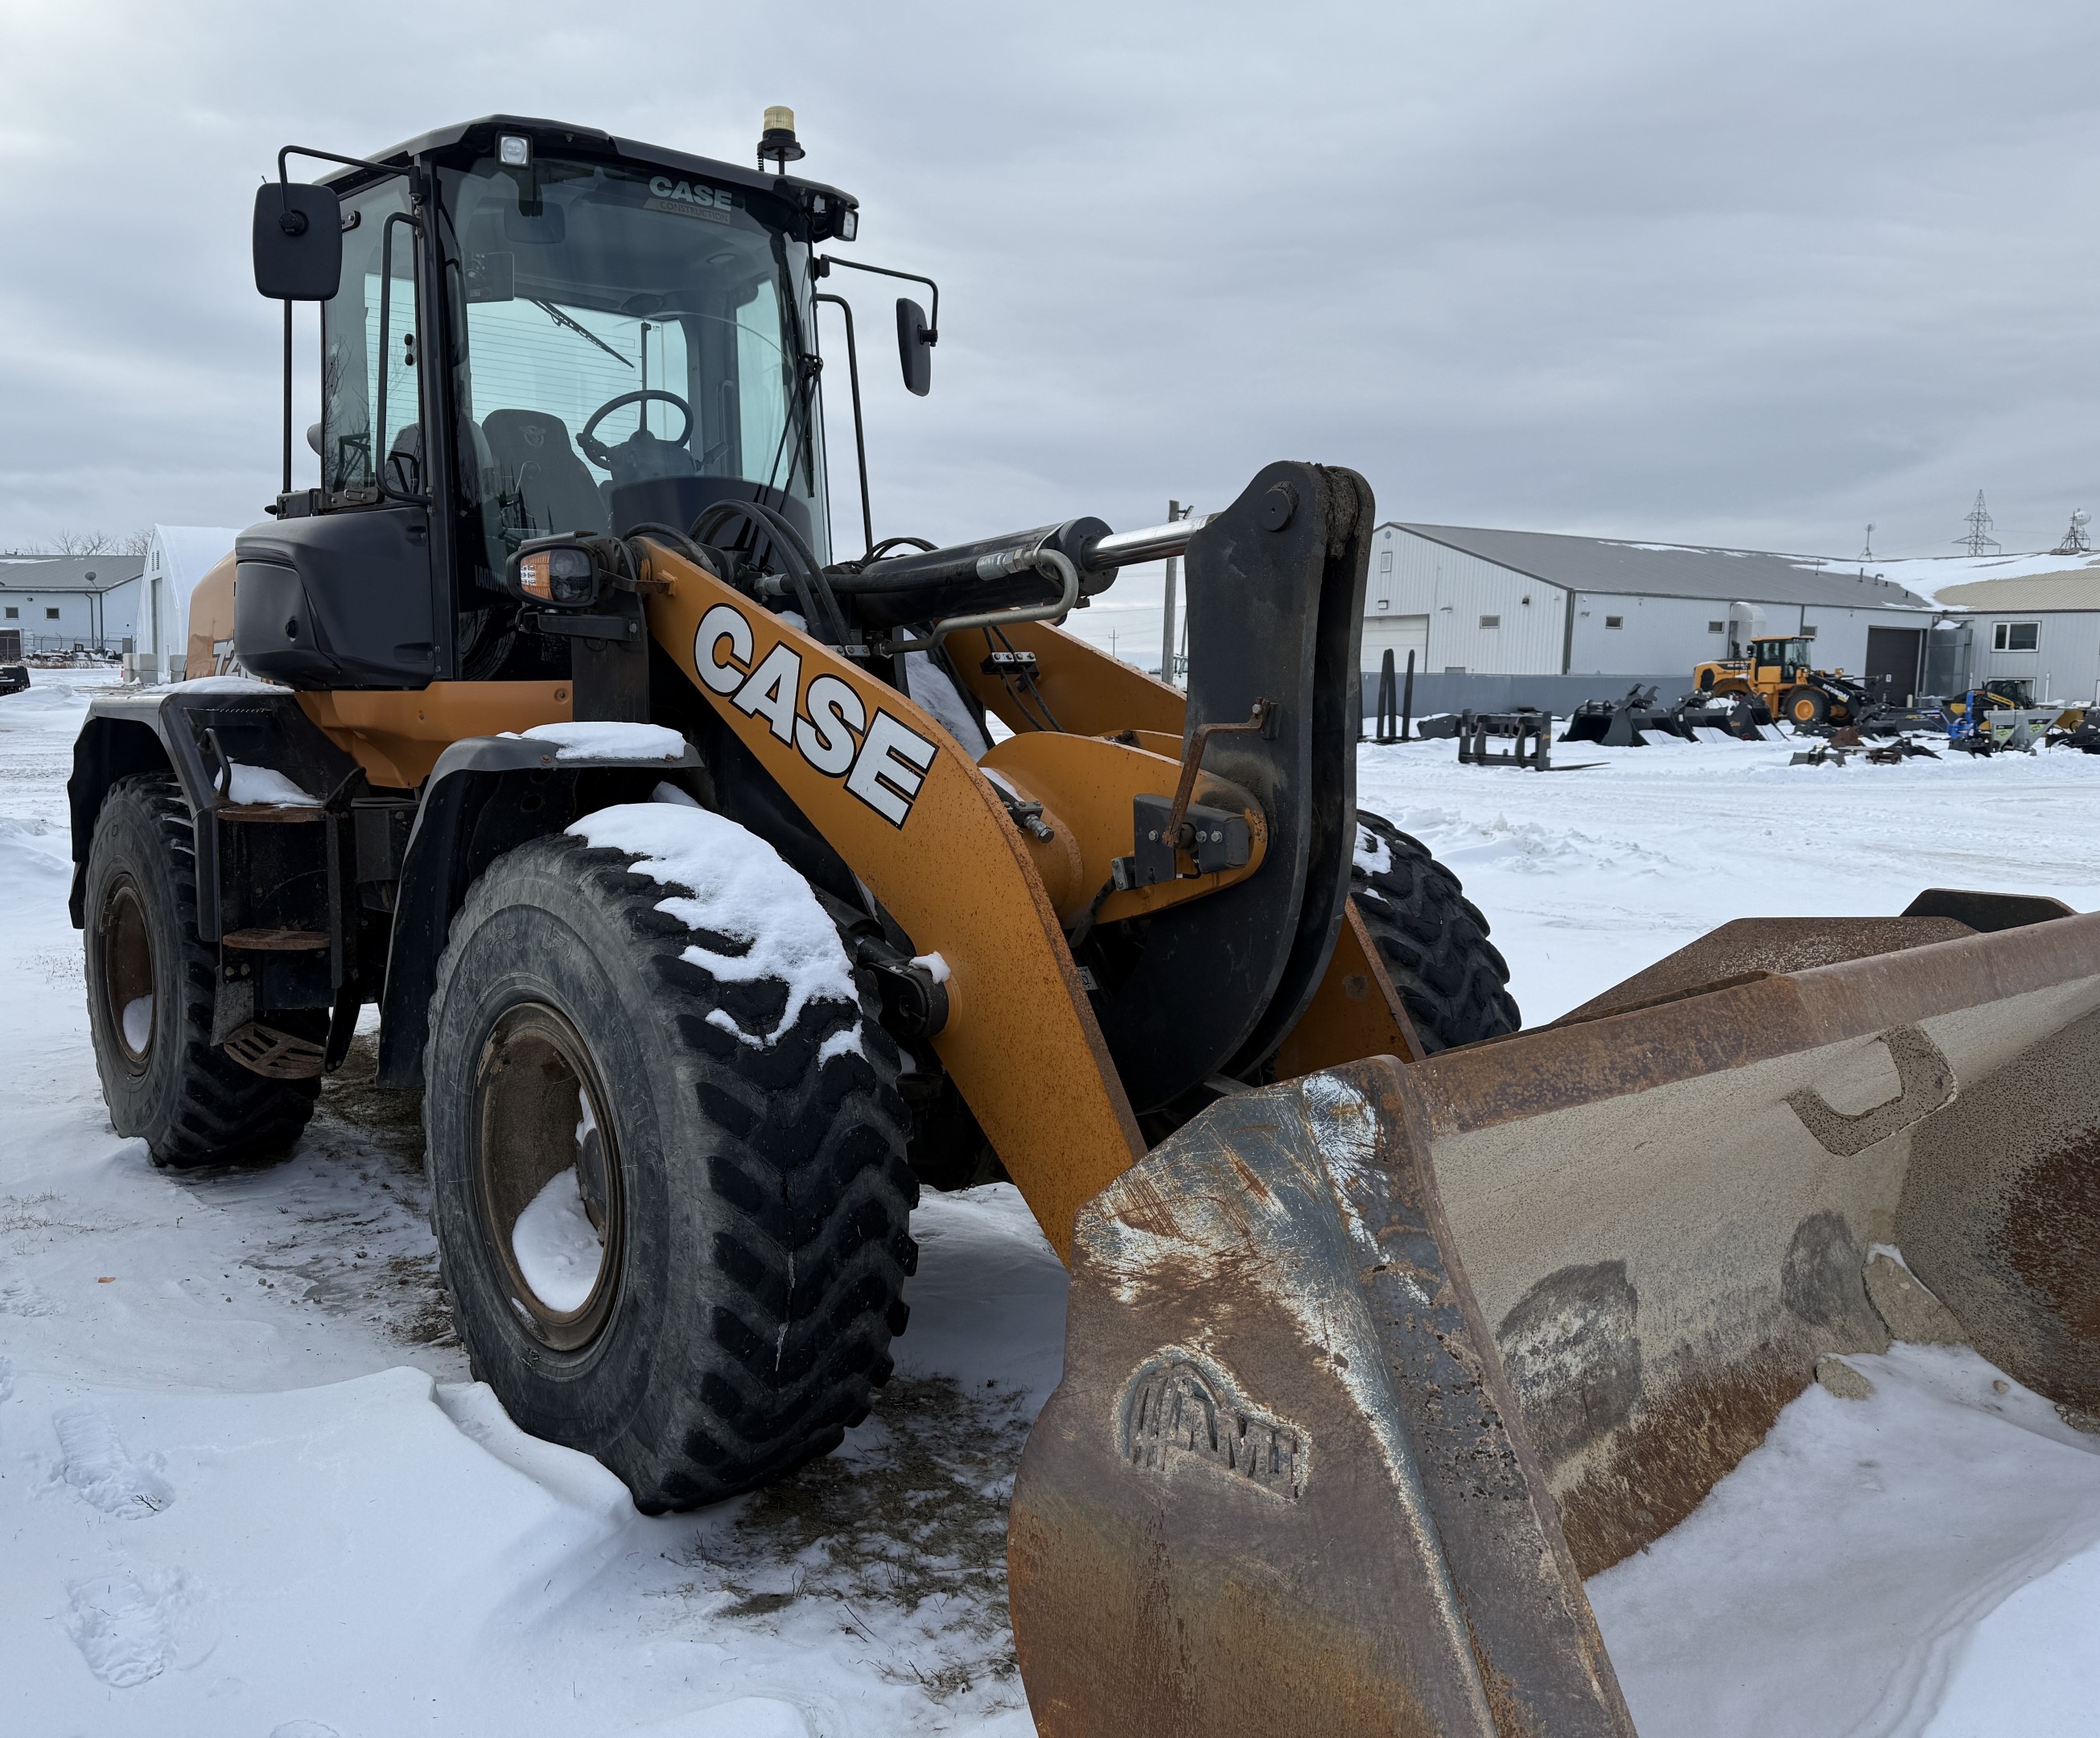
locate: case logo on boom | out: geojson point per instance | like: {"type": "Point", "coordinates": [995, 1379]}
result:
{"type": "Point", "coordinates": [884, 764]}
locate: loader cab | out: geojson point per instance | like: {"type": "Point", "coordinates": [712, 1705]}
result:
{"type": "Point", "coordinates": [536, 329]}
{"type": "Point", "coordinates": [1791, 656]}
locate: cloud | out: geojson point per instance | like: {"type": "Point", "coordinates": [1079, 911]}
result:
{"type": "Point", "coordinates": [1751, 274]}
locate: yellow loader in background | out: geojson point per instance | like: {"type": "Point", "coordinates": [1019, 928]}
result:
{"type": "Point", "coordinates": [673, 849]}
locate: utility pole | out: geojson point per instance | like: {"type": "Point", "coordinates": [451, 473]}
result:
{"type": "Point", "coordinates": [1168, 638]}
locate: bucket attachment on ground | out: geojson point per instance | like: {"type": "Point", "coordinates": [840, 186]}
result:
{"type": "Point", "coordinates": [1282, 1486]}
{"type": "Point", "coordinates": [1619, 724]}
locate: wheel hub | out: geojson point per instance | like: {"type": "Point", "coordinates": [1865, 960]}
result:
{"type": "Point", "coordinates": [548, 1175]}
{"type": "Point", "coordinates": [127, 972]}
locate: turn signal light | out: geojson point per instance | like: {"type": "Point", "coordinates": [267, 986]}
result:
{"type": "Point", "coordinates": [563, 575]}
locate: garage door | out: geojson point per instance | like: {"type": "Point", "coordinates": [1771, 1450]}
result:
{"type": "Point", "coordinates": [1892, 655]}
{"type": "Point", "coordinates": [1400, 634]}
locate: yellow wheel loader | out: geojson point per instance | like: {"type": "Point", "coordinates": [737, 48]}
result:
{"type": "Point", "coordinates": [674, 847]}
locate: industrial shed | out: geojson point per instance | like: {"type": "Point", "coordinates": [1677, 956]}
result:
{"type": "Point", "coordinates": [2045, 627]}
{"type": "Point", "coordinates": [1502, 617]}
{"type": "Point", "coordinates": [62, 603]}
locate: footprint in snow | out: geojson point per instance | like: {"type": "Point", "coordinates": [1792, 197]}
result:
{"type": "Point", "coordinates": [20, 1298]}
{"type": "Point", "coordinates": [98, 1466]}
{"type": "Point", "coordinates": [124, 1624]}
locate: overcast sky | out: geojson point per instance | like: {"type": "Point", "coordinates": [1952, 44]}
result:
{"type": "Point", "coordinates": [1741, 273]}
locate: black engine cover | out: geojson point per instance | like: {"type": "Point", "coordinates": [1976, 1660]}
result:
{"type": "Point", "coordinates": [341, 600]}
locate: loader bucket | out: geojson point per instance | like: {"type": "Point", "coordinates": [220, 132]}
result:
{"type": "Point", "coordinates": [1364, 1371]}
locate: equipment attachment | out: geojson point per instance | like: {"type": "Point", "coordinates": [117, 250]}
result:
{"type": "Point", "coordinates": [1282, 1487]}
{"type": "Point", "coordinates": [1362, 1373]}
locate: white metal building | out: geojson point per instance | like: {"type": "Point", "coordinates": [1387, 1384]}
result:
{"type": "Point", "coordinates": [2045, 627]}
{"type": "Point", "coordinates": [60, 602]}
{"type": "Point", "coordinates": [176, 558]}
{"type": "Point", "coordinates": [1471, 603]}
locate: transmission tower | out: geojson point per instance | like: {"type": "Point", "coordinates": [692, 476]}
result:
{"type": "Point", "coordinates": [1979, 540]}
{"type": "Point", "coordinates": [2076, 542]}
{"type": "Point", "coordinates": [1867, 549]}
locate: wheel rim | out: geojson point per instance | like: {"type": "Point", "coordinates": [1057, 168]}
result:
{"type": "Point", "coordinates": [547, 1175]}
{"type": "Point", "coordinates": [126, 942]}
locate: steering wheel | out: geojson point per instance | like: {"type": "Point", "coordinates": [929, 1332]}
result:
{"type": "Point", "coordinates": [596, 450]}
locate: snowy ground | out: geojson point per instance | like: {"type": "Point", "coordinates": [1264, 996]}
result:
{"type": "Point", "coordinates": [245, 1488]}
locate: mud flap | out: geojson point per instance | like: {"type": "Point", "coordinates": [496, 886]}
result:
{"type": "Point", "coordinates": [1281, 1487]}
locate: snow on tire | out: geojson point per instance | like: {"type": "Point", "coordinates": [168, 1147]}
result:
{"type": "Point", "coordinates": [666, 1153]}
{"type": "Point", "coordinates": [1453, 980]}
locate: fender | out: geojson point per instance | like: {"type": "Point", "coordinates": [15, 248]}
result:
{"type": "Point", "coordinates": [197, 730]}
{"type": "Point", "coordinates": [486, 795]}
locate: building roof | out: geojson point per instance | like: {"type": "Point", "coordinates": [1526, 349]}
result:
{"type": "Point", "coordinates": [82, 573]}
{"type": "Point", "coordinates": [2073, 589]}
{"type": "Point", "coordinates": [1673, 570]}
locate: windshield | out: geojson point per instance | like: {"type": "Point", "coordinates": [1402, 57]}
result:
{"type": "Point", "coordinates": [630, 353]}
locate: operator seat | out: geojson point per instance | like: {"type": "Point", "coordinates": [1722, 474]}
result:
{"type": "Point", "coordinates": [405, 460]}
{"type": "Point", "coordinates": [535, 455]}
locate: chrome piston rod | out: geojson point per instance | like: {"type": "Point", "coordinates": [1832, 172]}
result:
{"type": "Point", "coordinates": [1123, 548]}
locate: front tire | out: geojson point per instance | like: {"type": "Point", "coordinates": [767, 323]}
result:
{"type": "Point", "coordinates": [1453, 981]}
{"type": "Point", "coordinates": [1807, 707]}
{"type": "Point", "coordinates": [153, 986]}
{"type": "Point", "coordinates": [674, 1248]}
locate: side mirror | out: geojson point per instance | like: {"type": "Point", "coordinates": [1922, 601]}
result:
{"type": "Point", "coordinates": [914, 346]}
{"type": "Point", "coordinates": [298, 242]}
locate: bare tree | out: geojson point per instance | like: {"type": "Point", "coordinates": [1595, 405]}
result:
{"type": "Point", "coordinates": [80, 543]}
{"type": "Point", "coordinates": [138, 542]}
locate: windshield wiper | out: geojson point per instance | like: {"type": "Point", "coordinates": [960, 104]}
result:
{"type": "Point", "coordinates": [560, 318]}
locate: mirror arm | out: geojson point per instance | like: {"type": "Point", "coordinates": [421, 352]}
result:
{"type": "Point", "coordinates": [860, 440]}
{"type": "Point", "coordinates": [283, 179]}
{"type": "Point", "coordinates": [933, 332]}
{"type": "Point", "coordinates": [284, 176]}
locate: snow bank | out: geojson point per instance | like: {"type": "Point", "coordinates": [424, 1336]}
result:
{"type": "Point", "coordinates": [753, 916]}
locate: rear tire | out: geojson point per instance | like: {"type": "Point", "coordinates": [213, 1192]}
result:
{"type": "Point", "coordinates": [152, 984]}
{"type": "Point", "coordinates": [1453, 981]}
{"type": "Point", "coordinates": [751, 1202]}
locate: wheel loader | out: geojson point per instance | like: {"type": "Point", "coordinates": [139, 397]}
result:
{"type": "Point", "coordinates": [715, 885]}
{"type": "Point", "coordinates": [1779, 676]}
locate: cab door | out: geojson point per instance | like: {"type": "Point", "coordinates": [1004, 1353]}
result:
{"type": "Point", "coordinates": [343, 590]}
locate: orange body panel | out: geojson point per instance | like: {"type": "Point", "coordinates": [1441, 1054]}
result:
{"type": "Point", "coordinates": [211, 621]}
{"type": "Point", "coordinates": [397, 735]}
{"type": "Point", "coordinates": [1085, 785]}
{"type": "Point", "coordinates": [1086, 692]}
